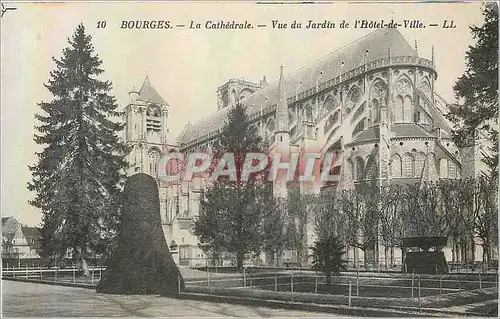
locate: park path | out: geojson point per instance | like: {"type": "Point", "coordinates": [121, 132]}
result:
{"type": "Point", "coordinates": [37, 300]}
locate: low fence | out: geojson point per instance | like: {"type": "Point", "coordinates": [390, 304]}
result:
{"type": "Point", "coordinates": [346, 287]}
{"type": "Point", "coordinates": [73, 274]}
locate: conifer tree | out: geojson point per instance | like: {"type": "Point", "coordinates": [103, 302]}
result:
{"type": "Point", "coordinates": [231, 218]}
{"type": "Point", "coordinates": [78, 176]}
{"type": "Point", "coordinates": [476, 117]}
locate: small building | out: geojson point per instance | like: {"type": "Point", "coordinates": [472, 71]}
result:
{"type": "Point", "coordinates": [20, 244]}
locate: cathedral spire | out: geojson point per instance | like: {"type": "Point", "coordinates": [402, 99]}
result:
{"type": "Point", "coordinates": [282, 107]}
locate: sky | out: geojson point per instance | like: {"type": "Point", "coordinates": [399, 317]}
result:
{"type": "Point", "coordinates": [186, 66]}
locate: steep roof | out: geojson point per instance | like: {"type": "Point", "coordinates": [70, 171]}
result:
{"type": "Point", "coordinates": [352, 56]}
{"type": "Point", "coordinates": [33, 236]}
{"type": "Point", "coordinates": [148, 93]}
{"type": "Point", "coordinates": [9, 225]}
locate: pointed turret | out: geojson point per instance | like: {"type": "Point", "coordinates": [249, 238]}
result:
{"type": "Point", "coordinates": [282, 108]}
{"type": "Point", "coordinates": [149, 94]}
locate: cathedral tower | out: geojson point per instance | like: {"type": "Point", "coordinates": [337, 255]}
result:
{"type": "Point", "coordinates": [146, 129]}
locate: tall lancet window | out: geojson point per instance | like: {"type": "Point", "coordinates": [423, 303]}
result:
{"type": "Point", "coordinates": [408, 165]}
{"type": "Point", "coordinates": [396, 166]}
{"type": "Point", "coordinates": [153, 159]}
{"type": "Point", "coordinates": [398, 109]}
{"type": "Point", "coordinates": [360, 172]}
{"type": "Point", "coordinates": [419, 163]}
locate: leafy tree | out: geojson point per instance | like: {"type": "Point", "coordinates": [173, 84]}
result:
{"type": "Point", "coordinates": [477, 117]}
{"type": "Point", "coordinates": [486, 218]}
{"type": "Point", "coordinates": [78, 175]}
{"type": "Point", "coordinates": [276, 229]}
{"type": "Point", "coordinates": [327, 257]}
{"type": "Point", "coordinates": [232, 213]}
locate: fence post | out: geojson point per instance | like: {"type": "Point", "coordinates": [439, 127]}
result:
{"type": "Point", "coordinates": [57, 268]}
{"type": "Point", "coordinates": [244, 278]}
{"type": "Point", "coordinates": [26, 270]}
{"type": "Point", "coordinates": [276, 283]}
{"type": "Point", "coordinates": [251, 280]}
{"type": "Point", "coordinates": [208, 278]}
{"type": "Point", "coordinates": [92, 276]}
{"type": "Point", "coordinates": [412, 284]}
{"type": "Point", "coordinates": [100, 271]}
{"type": "Point", "coordinates": [316, 284]}
{"type": "Point", "coordinates": [210, 281]}
{"type": "Point", "coordinates": [441, 285]}
{"type": "Point", "coordinates": [40, 269]}
{"type": "Point", "coordinates": [74, 278]}
{"type": "Point", "coordinates": [480, 283]}
{"type": "Point", "coordinates": [496, 278]}
{"type": "Point", "coordinates": [350, 290]}
{"type": "Point", "coordinates": [419, 300]}
{"type": "Point", "coordinates": [291, 285]}
{"type": "Point", "coordinates": [460, 283]}
{"type": "Point", "coordinates": [179, 282]}
{"type": "Point", "coordinates": [357, 283]}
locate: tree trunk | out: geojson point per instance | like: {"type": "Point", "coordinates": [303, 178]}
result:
{"type": "Point", "coordinates": [403, 256]}
{"type": "Point", "coordinates": [347, 254]}
{"type": "Point", "coordinates": [385, 256]}
{"type": "Point", "coordinates": [473, 249]}
{"type": "Point", "coordinates": [392, 257]}
{"type": "Point", "coordinates": [328, 276]}
{"type": "Point", "coordinates": [453, 250]}
{"type": "Point", "coordinates": [365, 258]}
{"type": "Point", "coordinates": [356, 256]}
{"type": "Point", "coordinates": [240, 257]}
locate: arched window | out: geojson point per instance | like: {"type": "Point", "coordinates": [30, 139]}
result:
{"type": "Point", "coordinates": [359, 127]}
{"type": "Point", "coordinates": [419, 163]}
{"type": "Point", "coordinates": [407, 109]}
{"type": "Point", "coordinates": [451, 169]}
{"type": "Point", "coordinates": [375, 111]}
{"type": "Point", "coordinates": [398, 109]}
{"type": "Point", "coordinates": [408, 165]}
{"type": "Point", "coordinates": [269, 128]}
{"type": "Point", "coordinates": [329, 105]}
{"type": "Point", "coordinates": [371, 168]}
{"type": "Point", "coordinates": [396, 166]}
{"type": "Point", "coordinates": [359, 168]}
{"type": "Point", "coordinates": [153, 156]}
{"type": "Point", "coordinates": [351, 167]}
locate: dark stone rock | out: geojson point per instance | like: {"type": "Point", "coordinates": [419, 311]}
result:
{"type": "Point", "coordinates": [142, 262]}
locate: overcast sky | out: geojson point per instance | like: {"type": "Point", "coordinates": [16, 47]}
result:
{"type": "Point", "coordinates": [186, 66]}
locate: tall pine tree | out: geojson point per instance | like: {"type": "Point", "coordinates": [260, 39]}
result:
{"type": "Point", "coordinates": [231, 218]}
{"type": "Point", "coordinates": [78, 176]}
{"type": "Point", "coordinates": [476, 119]}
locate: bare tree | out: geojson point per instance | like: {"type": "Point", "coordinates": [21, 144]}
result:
{"type": "Point", "coordinates": [392, 221]}
{"type": "Point", "coordinates": [362, 221]}
{"type": "Point", "coordinates": [301, 209]}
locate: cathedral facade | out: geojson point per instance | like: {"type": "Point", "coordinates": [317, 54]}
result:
{"type": "Point", "coordinates": [372, 102]}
